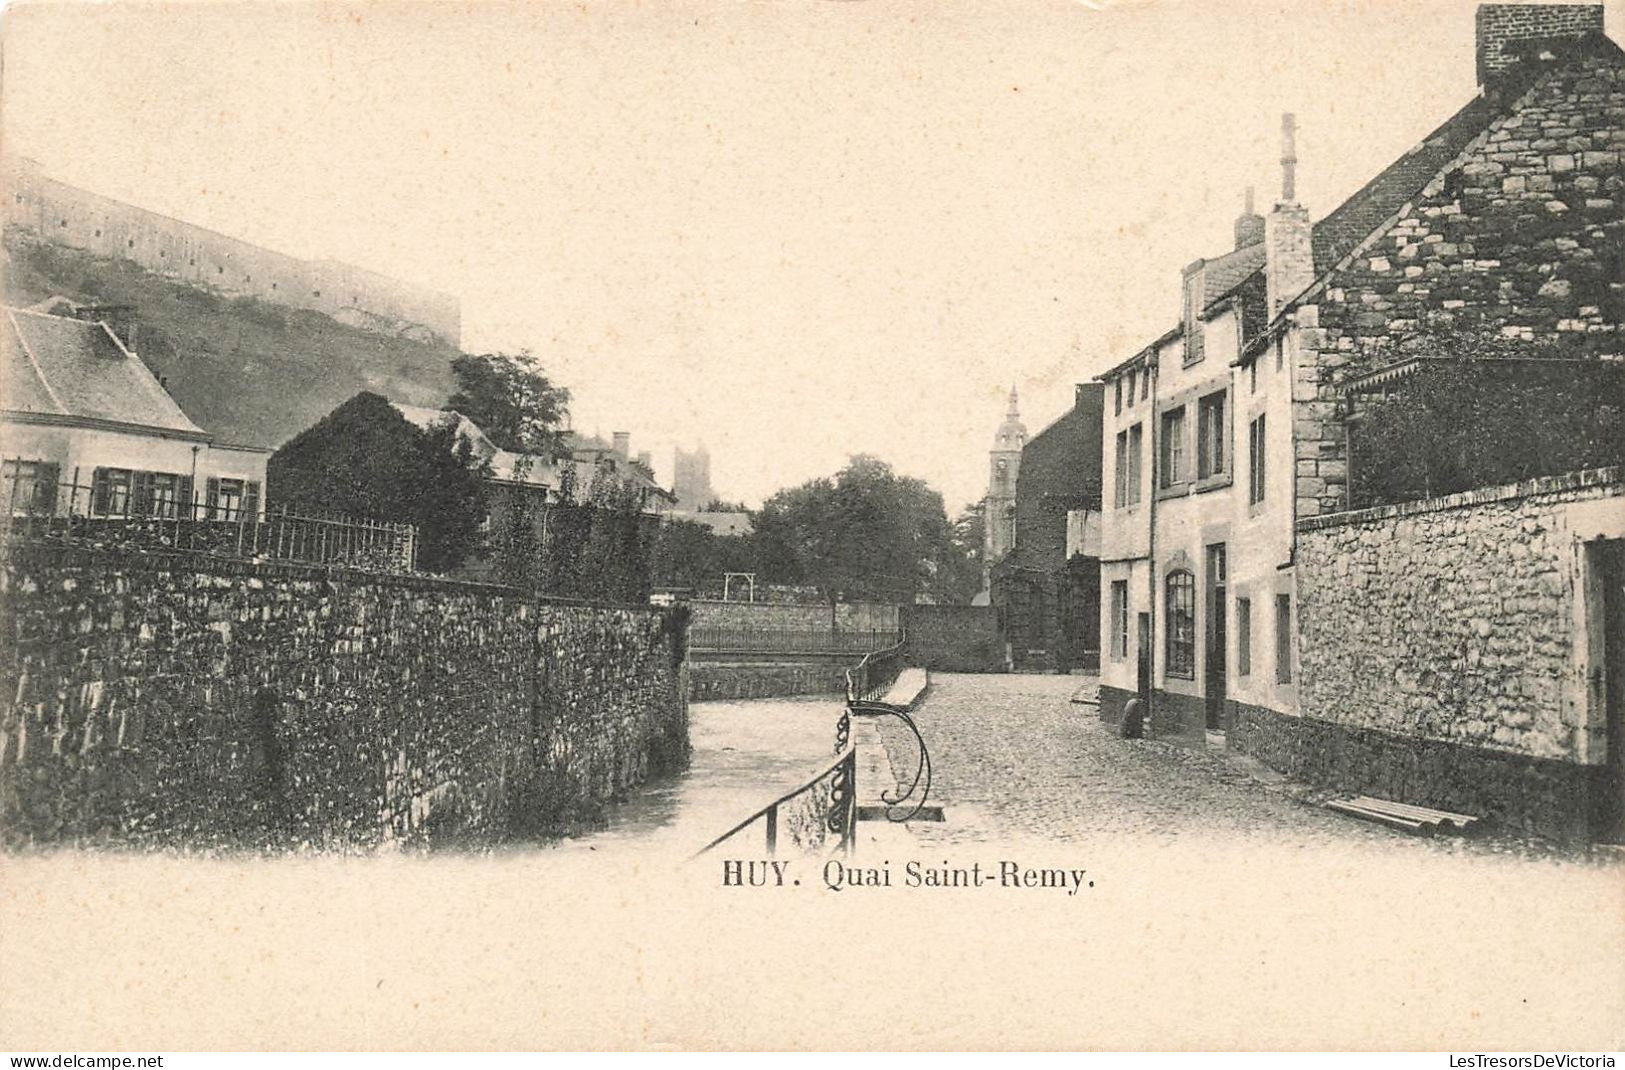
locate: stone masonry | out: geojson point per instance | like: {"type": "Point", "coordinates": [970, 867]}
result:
{"type": "Point", "coordinates": [1520, 238]}
{"type": "Point", "coordinates": [1439, 655]}
{"type": "Point", "coordinates": [164, 700]}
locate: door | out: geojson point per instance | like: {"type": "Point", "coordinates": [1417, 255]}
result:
{"type": "Point", "coordinates": [1610, 557]}
{"type": "Point", "coordinates": [1217, 653]}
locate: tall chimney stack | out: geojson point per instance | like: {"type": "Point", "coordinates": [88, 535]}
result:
{"type": "Point", "coordinates": [623, 444]}
{"type": "Point", "coordinates": [1289, 255]}
{"type": "Point", "coordinates": [1289, 159]}
{"type": "Point", "coordinates": [1506, 31]}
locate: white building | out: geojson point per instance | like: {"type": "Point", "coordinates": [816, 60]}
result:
{"type": "Point", "coordinates": [86, 428]}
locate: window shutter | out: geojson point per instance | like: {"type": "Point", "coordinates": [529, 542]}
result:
{"type": "Point", "coordinates": [98, 492]}
{"type": "Point", "coordinates": [211, 496]}
{"type": "Point", "coordinates": [251, 499]}
{"type": "Point", "coordinates": [183, 495]}
{"type": "Point", "coordinates": [46, 475]}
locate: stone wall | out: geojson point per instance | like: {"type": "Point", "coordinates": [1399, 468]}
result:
{"type": "Point", "coordinates": [715, 681]}
{"type": "Point", "coordinates": [955, 638]}
{"type": "Point", "coordinates": [171, 700]}
{"type": "Point", "coordinates": [1519, 238]}
{"type": "Point", "coordinates": [1443, 652]}
{"type": "Point", "coordinates": [843, 616]}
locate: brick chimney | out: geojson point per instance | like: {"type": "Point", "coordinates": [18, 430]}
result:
{"type": "Point", "coordinates": [1289, 256]}
{"type": "Point", "coordinates": [1503, 28]}
{"type": "Point", "coordinates": [1249, 224]}
{"type": "Point", "coordinates": [623, 444]}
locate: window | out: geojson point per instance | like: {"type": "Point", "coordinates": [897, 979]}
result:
{"type": "Point", "coordinates": [1252, 378]}
{"type": "Point", "coordinates": [1120, 619]}
{"type": "Point", "coordinates": [1280, 354]}
{"type": "Point", "coordinates": [1283, 639]}
{"type": "Point", "coordinates": [110, 491]}
{"type": "Point", "coordinates": [30, 487]}
{"type": "Point", "coordinates": [1173, 446]}
{"type": "Point", "coordinates": [1118, 395]}
{"type": "Point", "coordinates": [233, 499]}
{"type": "Point", "coordinates": [1134, 468]}
{"type": "Point", "coordinates": [1244, 636]}
{"type": "Point", "coordinates": [1255, 461]}
{"type": "Point", "coordinates": [1210, 436]}
{"type": "Point", "coordinates": [1145, 384]}
{"type": "Point", "coordinates": [1133, 381]}
{"type": "Point", "coordinates": [1120, 487]}
{"type": "Point", "coordinates": [1180, 657]}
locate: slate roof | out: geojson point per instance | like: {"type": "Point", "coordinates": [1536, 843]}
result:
{"type": "Point", "coordinates": [1335, 236]}
{"type": "Point", "coordinates": [59, 366]}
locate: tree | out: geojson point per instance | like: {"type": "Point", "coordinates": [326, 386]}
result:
{"type": "Point", "coordinates": [512, 401]}
{"type": "Point", "coordinates": [968, 537]}
{"type": "Point", "coordinates": [868, 533]}
{"type": "Point", "coordinates": [364, 459]}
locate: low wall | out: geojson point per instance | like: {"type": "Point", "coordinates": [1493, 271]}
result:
{"type": "Point", "coordinates": [177, 700]}
{"type": "Point", "coordinates": [843, 616]}
{"type": "Point", "coordinates": [710, 681]}
{"type": "Point", "coordinates": [1444, 653]}
{"type": "Point", "coordinates": [955, 638]}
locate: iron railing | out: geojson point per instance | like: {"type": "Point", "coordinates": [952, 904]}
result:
{"type": "Point", "coordinates": [733, 639]}
{"type": "Point", "coordinates": [826, 805]}
{"type": "Point", "coordinates": [173, 517]}
{"type": "Point", "coordinates": [808, 817]}
{"type": "Point", "coordinates": [872, 677]}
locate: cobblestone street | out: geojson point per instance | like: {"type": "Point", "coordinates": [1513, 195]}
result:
{"type": "Point", "coordinates": [1015, 758]}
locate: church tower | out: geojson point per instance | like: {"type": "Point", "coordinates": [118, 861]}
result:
{"type": "Point", "coordinates": [999, 507]}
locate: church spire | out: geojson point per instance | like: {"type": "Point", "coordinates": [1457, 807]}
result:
{"type": "Point", "coordinates": [1012, 433]}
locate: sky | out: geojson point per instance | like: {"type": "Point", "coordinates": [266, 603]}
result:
{"type": "Point", "coordinates": [794, 231]}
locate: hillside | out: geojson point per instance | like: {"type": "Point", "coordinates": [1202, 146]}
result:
{"type": "Point", "coordinates": [244, 370]}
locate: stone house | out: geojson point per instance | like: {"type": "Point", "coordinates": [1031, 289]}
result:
{"type": "Point", "coordinates": [86, 428]}
{"type": "Point", "coordinates": [1226, 564]}
{"type": "Point", "coordinates": [1047, 586]}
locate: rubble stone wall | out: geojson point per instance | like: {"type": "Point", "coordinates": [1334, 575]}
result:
{"type": "Point", "coordinates": [1520, 238]}
{"type": "Point", "coordinates": [1443, 653]}
{"type": "Point", "coordinates": [155, 700]}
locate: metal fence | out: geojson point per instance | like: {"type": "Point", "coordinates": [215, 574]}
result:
{"type": "Point", "coordinates": [733, 639]}
{"type": "Point", "coordinates": [173, 517]}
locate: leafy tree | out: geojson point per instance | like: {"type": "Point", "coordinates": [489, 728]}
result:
{"type": "Point", "coordinates": [693, 556]}
{"type": "Point", "coordinates": [511, 400]}
{"type": "Point", "coordinates": [868, 533]}
{"type": "Point", "coordinates": [968, 536]}
{"type": "Point", "coordinates": [364, 459]}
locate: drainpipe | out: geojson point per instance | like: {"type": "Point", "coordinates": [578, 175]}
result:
{"type": "Point", "coordinates": [1152, 421]}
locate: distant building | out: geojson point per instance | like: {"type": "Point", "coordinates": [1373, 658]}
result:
{"type": "Point", "coordinates": [999, 505]}
{"type": "Point", "coordinates": [1047, 587]}
{"type": "Point", "coordinates": [720, 523]}
{"type": "Point", "coordinates": [59, 214]}
{"type": "Point", "coordinates": [691, 479]}
{"type": "Point", "coordinates": [86, 428]}
{"type": "Point", "coordinates": [590, 459]}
